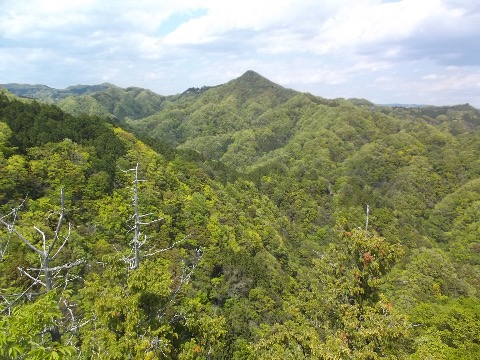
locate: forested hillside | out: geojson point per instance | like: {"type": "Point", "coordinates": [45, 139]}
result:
{"type": "Point", "coordinates": [242, 221]}
{"type": "Point", "coordinates": [102, 100]}
{"type": "Point", "coordinates": [51, 95]}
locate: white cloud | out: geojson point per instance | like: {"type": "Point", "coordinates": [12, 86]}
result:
{"type": "Point", "coordinates": [353, 46]}
{"type": "Point", "coordinates": [453, 83]}
{"type": "Point", "coordinates": [430, 77]}
{"type": "Point", "coordinates": [257, 17]}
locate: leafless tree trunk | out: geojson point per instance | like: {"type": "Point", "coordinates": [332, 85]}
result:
{"type": "Point", "coordinates": [136, 236]}
{"type": "Point", "coordinates": [366, 221]}
{"type": "Point", "coordinates": [137, 241]}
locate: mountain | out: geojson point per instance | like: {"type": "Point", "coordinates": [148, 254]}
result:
{"type": "Point", "coordinates": [278, 224]}
{"type": "Point", "coordinates": [117, 102]}
{"type": "Point", "coordinates": [250, 111]}
{"type": "Point", "coordinates": [102, 100]}
{"type": "Point", "coordinates": [404, 105]}
{"type": "Point", "coordinates": [45, 93]}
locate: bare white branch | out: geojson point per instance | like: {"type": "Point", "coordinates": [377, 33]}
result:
{"type": "Point", "coordinates": [35, 280]}
{"type": "Point", "coordinates": [366, 221]}
{"type": "Point", "coordinates": [12, 229]}
{"type": "Point", "coordinates": [4, 246]}
{"type": "Point", "coordinates": [45, 255]}
{"type": "Point", "coordinates": [144, 215]}
{"type": "Point", "coordinates": [10, 226]}
{"type": "Point", "coordinates": [184, 279]}
{"type": "Point", "coordinates": [167, 248]}
{"type": "Point", "coordinates": [61, 267]}
{"type": "Point", "coordinates": [44, 239]}
{"type": "Point", "coordinates": [60, 220]}
{"type": "Point", "coordinates": [64, 242]}
{"type": "Point", "coordinates": [78, 326]}
{"type": "Point", "coordinates": [151, 222]}
{"type": "Point", "coordinates": [18, 297]}
{"type": "Point", "coordinates": [141, 243]}
{"type": "Point", "coordinates": [136, 243]}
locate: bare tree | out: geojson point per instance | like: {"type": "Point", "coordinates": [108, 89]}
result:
{"type": "Point", "coordinates": [139, 239]}
{"type": "Point", "coordinates": [47, 252]}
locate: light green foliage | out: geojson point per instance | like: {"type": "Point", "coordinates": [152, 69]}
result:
{"type": "Point", "coordinates": [414, 188]}
{"type": "Point", "coordinates": [454, 221]}
{"type": "Point", "coordinates": [289, 341]}
{"type": "Point", "coordinates": [15, 178]}
{"type": "Point", "coordinates": [61, 165]}
{"type": "Point", "coordinates": [13, 167]}
{"type": "Point", "coordinates": [360, 318]}
{"type": "Point", "coordinates": [82, 105]}
{"type": "Point", "coordinates": [428, 276]}
{"type": "Point", "coordinates": [207, 330]}
{"type": "Point", "coordinates": [24, 332]}
{"type": "Point", "coordinates": [115, 102]}
{"type": "Point", "coordinates": [357, 265]}
{"type": "Point", "coordinates": [449, 329]}
{"type": "Point", "coordinates": [5, 135]}
{"type": "Point", "coordinates": [123, 309]}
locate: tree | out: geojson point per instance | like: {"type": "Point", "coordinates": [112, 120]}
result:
{"type": "Point", "coordinates": [134, 259]}
{"type": "Point", "coordinates": [448, 329]}
{"type": "Point", "coordinates": [361, 321]}
{"type": "Point", "coordinates": [134, 311]}
{"type": "Point", "coordinates": [49, 250]}
{"type": "Point", "coordinates": [22, 332]}
{"type": "Point", "coordinates": [43, 313]}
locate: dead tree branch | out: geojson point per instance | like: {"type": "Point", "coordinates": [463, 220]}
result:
{"type": "Point", "coordinates": [46, 252]}
{"type": "Point", "coordinates": [13, 214]}
{"type": "Point", "coordinates": [154, 252]}
{"type": "Point", "coordinates": [133, 259]}
{"type": "Point", "coordinates": [187, 273]}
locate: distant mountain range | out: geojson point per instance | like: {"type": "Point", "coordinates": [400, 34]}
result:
{"type": "Point", "coordinates": [43, 92]}
{"type": "Point", "coordinates": [103, 100]}
{"type": "Point", "coordinates": [136, 102]}
{"type": "Point", "coordinates": [247, 115]}
{"type": "Point", "coordinates": [404, 105]}
{"type": "Point", "coordinates": [176, 119]}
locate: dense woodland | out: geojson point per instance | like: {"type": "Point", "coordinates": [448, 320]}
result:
{"type": "Point", "coordinates": [242, 221]}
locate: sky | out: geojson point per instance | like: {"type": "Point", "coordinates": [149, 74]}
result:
{"type": "Point", "coordinates": [406, 51]}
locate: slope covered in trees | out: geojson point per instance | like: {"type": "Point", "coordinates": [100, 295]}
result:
{"type": "Point", "coordinates": [105, 100]}
{"type": "Point", "coordinates": [48, 94]}
{"type": "Point", "coordinates": [251, 226]}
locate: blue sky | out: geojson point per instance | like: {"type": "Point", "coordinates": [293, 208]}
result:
{"type": "Point", "coordinates": [407, 51]}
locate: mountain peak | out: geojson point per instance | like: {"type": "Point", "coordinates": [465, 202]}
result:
{"type": "Point", "coordinates": [253, 85]}
{"type": "Point", "coordinates": [253, 80]}
{"type": "Point", "coordinates": [252, 76]}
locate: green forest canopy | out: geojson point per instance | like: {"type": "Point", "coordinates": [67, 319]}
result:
{"type": "Point", "coordinates": [261, 251]}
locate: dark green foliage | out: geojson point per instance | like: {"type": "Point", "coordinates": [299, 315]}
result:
{"type": "Point", "coordinates": [36, 124]}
